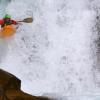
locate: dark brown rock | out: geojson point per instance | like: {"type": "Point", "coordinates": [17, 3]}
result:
{"type": "Point", "coordinates": [19, 95]}
{"type": "Point", "coordinates": [10, 88]}
{"type": "Point", "coordinates": [8, 81]}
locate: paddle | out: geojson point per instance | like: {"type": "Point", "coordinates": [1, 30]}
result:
{"type": "Point", "coordinates": [27, 20]}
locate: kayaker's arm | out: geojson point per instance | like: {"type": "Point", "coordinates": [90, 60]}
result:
{"type": "Point", "coordinates": [14, 22]}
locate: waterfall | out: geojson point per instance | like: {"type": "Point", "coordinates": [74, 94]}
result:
{"type": "Point", "coordinates": [56, 53]}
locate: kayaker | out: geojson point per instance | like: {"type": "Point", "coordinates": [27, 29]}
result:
{"type": "Point", "coordinates": [7, 21]}
{"type": "Point", "coordinates": [7, 25]}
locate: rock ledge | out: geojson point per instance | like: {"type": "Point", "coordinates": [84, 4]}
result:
{"type": "Point", "coordinates": [10, 88]}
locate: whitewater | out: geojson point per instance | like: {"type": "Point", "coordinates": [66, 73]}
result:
{"type": "Point", "coordinates": [58, 54]}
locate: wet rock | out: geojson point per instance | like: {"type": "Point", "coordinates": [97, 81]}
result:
{"type": "Point", "coordinates": [10, 88]}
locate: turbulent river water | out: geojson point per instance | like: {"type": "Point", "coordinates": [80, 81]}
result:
{"type": "Point", "coordinates": [57, 54]}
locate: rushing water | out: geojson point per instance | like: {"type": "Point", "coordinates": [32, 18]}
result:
{"type": "Point", "coordinates": [3, 5]}
{"type": "Point", "coordinates": [56, 54]}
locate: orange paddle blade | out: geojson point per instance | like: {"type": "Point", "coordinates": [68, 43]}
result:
{"type": "Point", "coordinates": [7, 31]}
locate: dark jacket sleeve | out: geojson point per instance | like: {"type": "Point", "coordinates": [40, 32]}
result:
{"type": "Point", "coordinates": [1, 22]}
